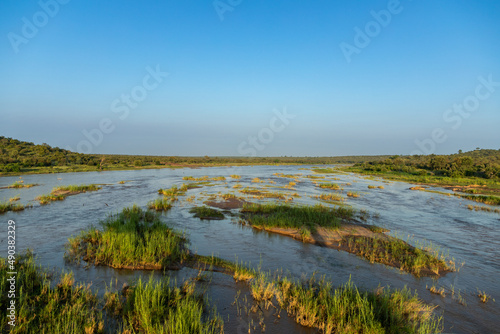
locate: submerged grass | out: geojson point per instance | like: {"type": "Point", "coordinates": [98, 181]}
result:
{"type": "Point", "coordinates": [42, 307]}
{"type": "Point", "coordinates": [131, 239]}
{"type": "Point", "coordinates": [205, 212]}
{"type": "Point", "coordinates": [283, 216]}
{"type": "Point", "coordinates": [482, 208]}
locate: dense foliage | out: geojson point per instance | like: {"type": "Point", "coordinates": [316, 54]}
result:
{"type": "Point", "coordinates": [477, 163]}
{"type": "Point", "coordinates": [19, 156]}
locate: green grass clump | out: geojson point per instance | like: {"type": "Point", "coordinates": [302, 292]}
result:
{"type": "Point", "coordinates": [10, 206]}
{"type": "Point", "coordinates": [346, 309]}
{"type": "Point", "coordinates": [205, 212]}
{"type": "Point", "coordinates": [46, 199]}
{"type": "Point", "coordinates": [328, 185]}
{"type": "Point", "coordinates": [492, 200]}
{"type": "Point", "coordinates": [44, 307]}
{"type": "Point", "coordinates": [325, 170]}
{"type": "Point", "coordinates": [157, 307]}
{"type": "Point", "coordinates": [173, 191]}
{"type": "Point", "coordinates": [20, 184]}
{"type": "Point", "coordinates": [60, 193]}
{"type": "Point", "coordinates": [132, 239]}
{"type": "Point", "coordinates": [396, 252]}
{"type": "Point", "coordinates": [213, 263]}
{"type": "Point", "coordinates": [160, 204]}
{"type": "Point", "coordinates": [284, 215]}
{"type": "Point", "coordinates": [77, 188]}
{"type": "Point", "coordinates": [329, 197]}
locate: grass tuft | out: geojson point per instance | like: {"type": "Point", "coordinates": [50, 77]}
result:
{"type": "Point", "coordinates": [205, 212]}
{"type": "Point", "coordinates": [160, 204]}
{"type": "Point", "coordinates": [131, 239]}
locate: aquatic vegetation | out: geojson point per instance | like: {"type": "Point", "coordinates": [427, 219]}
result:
{"type": "Point", "coordinates": [328, 185]}
{"type": "Point", "coordinates": [10, 206]}
{"type": "Point", "coordinates": [353, 194]}
{"type": "Point", "coordinates": [290, 176]}
{"type": "Point", "coordinates": [345, 309]}
{"type": "Point", "coordinates": [284, 215]}
{"type": "Point", "coordinates": [158, 307]}
{"type": "Point", "coordinates": [173, 191]}
{"type": "Point", "coordinates": [77, 188]}
{"type": "Point", "coordinates": [483, 296]}
{"type": "Point", "coordinates": [482, 208]}
{"type": "Point", "coordinates": [397, 253]}
{"type": "Point", "coordinates": [60, 193]}
{"type": "Point", "coordinates": [205, 212]}
{"type": "Point", "coordinates": [329, 197]}
{"type": "Point", "coordinates": [380, 187]}
{"type": "Point", "coordinates": [315, 177]}
{"type": "Point", "coordinates": [46, 199]}
{"type": "Point", "coordinates": [257, 180]}
{"type": "Point", "coordinates": [15, 198]}
{"type": "Point", "coordinates": [204, 178]}
{"type": "Point", "coordinates": [326, 170]}
{"type": "Point", "coordinates": [20, 184]}
{"type": "Point", "coordinates": [371, 187]}
{"type": "Point", "coordinates": [160, 204]}
{"type": "Point", "coordinates": [45, 307]}
{"type": "Point", "coordinates": [259, 193]}
{"type": "Point", "coordinates": [236, 177]}
{"type": "Point", "coordinates": [237, 185]}
{"type": "Point", "coordinates": [66, 307]}
{"type": "Point", "coordinates": [239, 271]}
{"type": "Point", "coordinates": [437, 291]}
{"type": "Point", "coordinates": [492, 200]}
{"type": "Point", "coordinates": [132, 239]}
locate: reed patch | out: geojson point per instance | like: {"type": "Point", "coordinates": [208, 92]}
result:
{"type": "Point", "coordinates": [133, 239]}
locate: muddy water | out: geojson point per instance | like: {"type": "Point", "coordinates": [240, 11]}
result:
{"type": "Point", "coordinates": [472, 238]}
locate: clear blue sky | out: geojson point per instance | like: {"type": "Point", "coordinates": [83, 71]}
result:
{"type": "Point", "coordinates": [230, 63]}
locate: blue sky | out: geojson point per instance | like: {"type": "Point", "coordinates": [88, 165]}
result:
{"type": "Point", "coordinates": [233, 64]}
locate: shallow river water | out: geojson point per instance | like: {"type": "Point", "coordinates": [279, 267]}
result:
{"type": "Point", "coordinates": [472, 238]}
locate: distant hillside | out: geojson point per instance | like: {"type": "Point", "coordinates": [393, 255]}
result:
{"type": "Point", "coordinates": [20, 157]}
{"type": "Point", "coordinates": [24, 157]}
